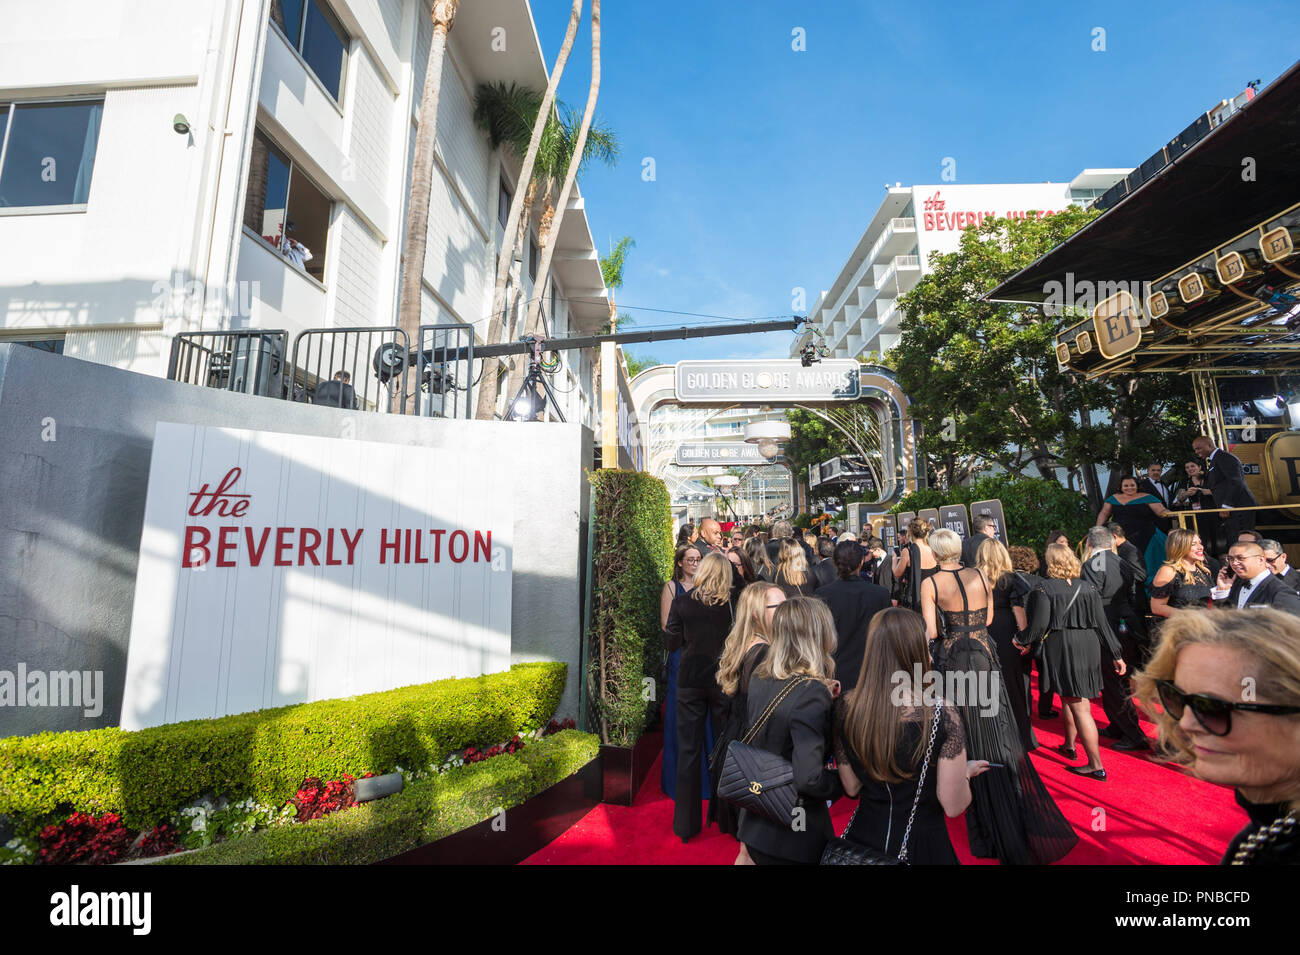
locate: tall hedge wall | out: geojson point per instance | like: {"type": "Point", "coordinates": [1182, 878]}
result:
{"type": "Point", "coordinates": [632, 556]}
{"type": "Point", "coordinates": [1033, 507]}
{"type": "Point", "coordinates": [148, 774]}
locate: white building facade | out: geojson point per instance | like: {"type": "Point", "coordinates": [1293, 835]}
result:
{"type": "Point", "coordinates": [225, 164]}
{"type": "Point", "coordinates": [859, 313]}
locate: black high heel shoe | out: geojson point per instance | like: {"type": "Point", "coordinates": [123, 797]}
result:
{"type": "Point", "coordinates": [1069, 752]}
{"type": "Point", "coordinates": [1085, 771]}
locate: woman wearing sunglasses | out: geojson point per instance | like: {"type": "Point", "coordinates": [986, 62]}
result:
{"type": "Point", "coordinates": [1224, 688]}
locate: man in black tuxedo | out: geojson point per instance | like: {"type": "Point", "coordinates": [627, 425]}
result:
{"type": "Point", "coordinates": [1157, 486]}
{"type": "Point", "coordinates": [1104, 570]}
{"type": "Point", "coordinates": [1275, 556]}
{"type": "Point", "coordinates": [1255, 585]}
{"type": "Point", "coordinates": [853, 602]}
{"type": "Point", "coordinates": [824, 570]}
{"type": "Point", "coordinates": [981, 529]}
{"type": "Point", "coordinates": [1227, 482]}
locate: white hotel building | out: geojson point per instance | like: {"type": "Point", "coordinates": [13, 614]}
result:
{"type": "Point", "coordinates": [859, 312]}
{"type": "Point", "coordinates": [117, 231]}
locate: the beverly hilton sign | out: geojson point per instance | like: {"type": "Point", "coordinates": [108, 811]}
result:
{"type": "Point", "coordinates": [282, 568]}
{"type": "Point", "coordinates": [779, 381]}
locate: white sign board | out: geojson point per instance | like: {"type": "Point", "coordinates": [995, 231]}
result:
{"type": "Point", "coordinates": [283, 568]}
{"type": "Point", "coordinates": [777, 380]}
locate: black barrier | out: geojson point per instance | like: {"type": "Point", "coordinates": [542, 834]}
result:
{"type": "Point", "coordinates": [345, 368]}
{"type": "Point", "coordinates": [992, 509]}
{"type": "Point", "coordinates": [249, 361]}
{"type": "Point", "coordinates": [445, 370]}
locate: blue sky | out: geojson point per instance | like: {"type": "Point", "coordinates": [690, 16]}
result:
{"type": "Point", "coordinates": [769, 162]}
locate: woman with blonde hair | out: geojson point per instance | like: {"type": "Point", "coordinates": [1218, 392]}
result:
{"type": "Point", "coordinates": [698, 623]}
{"type": "Point", "coordinates": [1073, 633]}
{"type": "Point", "coordinates": [745, 648]}
{"type": "Point", "coordinates": [1013, 817]}
{"type": "Point", "coordinates": [1228, 688]}
{"type": "Point", "coordinates": [915, 564]}
{"type": "Point", "coordinates": [1184, 580]}
{"type": "Point", "coordinates": [792, 570]}
{"type": "Point", "coordinates": [790, 697]}
{"type": "Point", "coordinates": [1010, 590]}
{"type": "Point", "coordinates": [883, 730]}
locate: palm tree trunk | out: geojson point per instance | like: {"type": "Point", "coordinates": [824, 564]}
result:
{"type": "Point", "coordinates": [426, 137]}
{"type": "Point", "coordinates": [570, 176]}
{"type": "Point", "coordinates": [487, 392]}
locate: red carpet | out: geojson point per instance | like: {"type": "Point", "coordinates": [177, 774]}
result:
{"type": "Point", "coordinates": [1145, 813]}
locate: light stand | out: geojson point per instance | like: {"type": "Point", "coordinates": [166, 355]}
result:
{"type": "Point", "coordinates": [528, 394]}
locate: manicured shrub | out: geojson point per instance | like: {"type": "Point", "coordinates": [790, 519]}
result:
{"type": "Point", "coordinates": [423, 812]}
{"type": "Point", "coordinates": [148, 774]}
{"type": "Point", "coordinates": [632, 554]}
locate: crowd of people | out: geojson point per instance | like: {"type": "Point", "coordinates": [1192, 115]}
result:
{"type": "Point", "coordinates": [805, 647]}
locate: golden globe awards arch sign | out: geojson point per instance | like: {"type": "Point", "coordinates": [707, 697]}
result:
{"type": "Point", "coordinates": [284, 568]}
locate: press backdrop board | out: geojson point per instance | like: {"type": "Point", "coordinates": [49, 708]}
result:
{"type": "Point", "coordinates": [992, 509]}
{"type": "Point", "coordinates": [953, 517]}
{"type": "Point", "coordinates": [930, 514]}
{"type": "Point", "coordinates": [267, 615]}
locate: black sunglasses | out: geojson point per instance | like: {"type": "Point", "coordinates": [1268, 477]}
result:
{"type": "Point", "coordinates": [1213, 714]}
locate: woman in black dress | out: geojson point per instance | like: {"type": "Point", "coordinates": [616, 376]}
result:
{"type": "Point", "coordinates": [698, 622]}
{"type": "Point", "coordinates": [1136, 512]}
{"type": "Point", "coordinates": [882, 732]}
{"type": "Point", "coordinates": [1195, 495]}
{"type": "Point", "coordinates": [1185, 579]}
{"type": "Point", "coordinates": [915, 564]}
{"type": "Point", "coordinates": [745, 648]}
{"type": "Point", "coordinates": [1009, 592]}
{"type": "Point", "coordinates": [1075, 631]}
{"type": "Point", "coordinates": [792, 573]}
{"type": "Point", "coordinates": [1013, 817]}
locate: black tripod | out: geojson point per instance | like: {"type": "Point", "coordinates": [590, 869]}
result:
{"type": "Point", "coordinates": [536, 403]}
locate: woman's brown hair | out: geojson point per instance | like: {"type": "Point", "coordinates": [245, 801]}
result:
{"type": "Point", "coordinates": [679, 558]}
{"type": "Point", "coordinates": [1178, 553]}
{"type": "Point", "coordinates": [1061, 562]}
{"type": "Point", "coordinates": [792, 563]}
{"type": "Point", "coordinates": [802, 639]}
{"type": "Point", "coordinates": [873, 718]}
{"type": "Point", "coordinates": [918, 529]}
{"type": "Point", "coordinates": [751, 622]}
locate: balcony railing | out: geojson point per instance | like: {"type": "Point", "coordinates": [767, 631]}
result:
{"type": "Point", "coordinates": [895, 225]}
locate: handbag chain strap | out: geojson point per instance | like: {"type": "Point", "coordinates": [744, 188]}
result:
{"type": "Point", "coordinates": [1265, 837]}
{"type": "Point", "coordinates": [920, 783]}
{"type": "Point", "coordinates": [771, 707]}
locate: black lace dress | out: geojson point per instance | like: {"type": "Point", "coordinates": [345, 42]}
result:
{"type": "Point", "coordinates": [881, 817]}
{"type": "Point", "coordinates": [1186, 592]}
{"type": "Point", "coordinates": [1012, 816]}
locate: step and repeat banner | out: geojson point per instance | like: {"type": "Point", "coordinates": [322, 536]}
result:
{"type": "Point", "coordinates": [283, 568]}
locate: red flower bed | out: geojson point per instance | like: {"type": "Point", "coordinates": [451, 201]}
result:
{"type": "Point", "coordinates": [315, 799]}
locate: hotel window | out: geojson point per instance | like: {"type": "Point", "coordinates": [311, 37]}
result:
{"type": "Point", "coordinates": [285, 208]}
{"type": "Point", "coordinates": [532, 257]}
{"type": "Point", "coordinates": [47, 152]}
{"type": "Point", "coordinates": [504, 195]}
{"type": "Point", "coordinates": [312, 29]}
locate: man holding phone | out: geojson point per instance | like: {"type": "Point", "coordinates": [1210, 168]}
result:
{"type": "Point", "coordinates": [1254, 585]}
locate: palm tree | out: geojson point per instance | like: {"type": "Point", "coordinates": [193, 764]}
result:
{"type": "Point", "coordinates": [417, 228]}
{"type": "Point", "coordinates": [488, 388]}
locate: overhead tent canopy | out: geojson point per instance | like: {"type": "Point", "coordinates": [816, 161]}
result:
{"type": "Point", "coordinates": [1238, 184]}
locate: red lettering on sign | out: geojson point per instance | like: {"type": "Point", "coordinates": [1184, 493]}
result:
{"type": "Point", "coordinates": [220, 500]}
{"type": "Point", "coordinates": [419, 559]}
{"type": "Point", "coordinates": [306, 550]}
{"type": "Point", "coordinates": [385, 545]}
{"type": "Point", "coordinates": [929, 220]}
{"type": "Point", "coordinates": [351, 544]}
{"type": "Point", "coordinates": [224, 544]}
{"type": "Point", "coordinates": [483, 545]}
{"type": "Point", "coordinates": [282, 545]}
{"type": "Point", "coordinates": [196, 540]}
{"type": "Point", "coordinates": [255, 550]}
{"type": "Point", "coordinates": [437, 542]}
{"type": "Point", "coordinates": [464, 549]}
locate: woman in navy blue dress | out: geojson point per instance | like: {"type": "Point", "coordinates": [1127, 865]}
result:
{"type": "Point", "coordinates": [686, 561]}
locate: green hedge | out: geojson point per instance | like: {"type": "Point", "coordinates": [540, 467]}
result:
{"type": "Point", "coordinates": [1033, 507]}
{"type": "Point", "coordinates": [423, 812]}
{"type": "Point", "coordinates": [148, 774]}
{"type": "Point", "coordinates": [632, 556]}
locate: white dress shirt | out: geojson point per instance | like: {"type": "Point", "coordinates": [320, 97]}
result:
{"type": "Point", "coordinates": [1247, 589]}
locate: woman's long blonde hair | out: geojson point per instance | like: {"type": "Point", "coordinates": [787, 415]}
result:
{"type": "Point", "coordinates": [792, 564]}
{"type": "Point", "coordinates": [751, 622]}
{"type": "Point", "coordinates": [803, 641]}
{"type": "Point", "coordinates": [713, 580]}
{"type": "Point", "coordinates": [1178, 553]}
{"type": "Point", "coordinates": [1061, 562]}
{"type": "Point", "coordinates": [1270, 638]}
{"type": "Point", "coordinates": [994, 561]}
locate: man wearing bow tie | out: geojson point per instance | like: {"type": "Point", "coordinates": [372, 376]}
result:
{"type": "Point", "coordinates": [1255, 584]}
{"type": "Point", "coordinates": [1154, 484]}
{"type": "Point", "coordinates": [1226, 480]}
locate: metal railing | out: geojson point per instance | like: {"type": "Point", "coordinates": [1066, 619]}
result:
{"type": "Point", "coordinates": [445, 370]}
{"type": "Point", "coordinates": [250, 361]}
{"type": "Point", "coordinates": [352, 368]}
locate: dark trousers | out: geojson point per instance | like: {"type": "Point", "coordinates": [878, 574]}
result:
{"type": "Point", "coordinates": [1044, 699]}
{"type": "Point", "coordinates": [1116, 696]}
{"type": "Point", "coordinates": [694, 705]}
{"type": "Point", "coordinates": [1237, 522]}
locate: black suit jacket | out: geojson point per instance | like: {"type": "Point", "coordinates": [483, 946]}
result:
{"type": "Point", "coordinates": [1227, 482]}
{"type": "Point", "coordinates": [335, 394]}
{"type": "Point", "coordinates": [1165, 491]}
{"type": "Point", "coordinates": [824, 572]}
{"type": "Point", "coordinates": [799, 731]}
{"type": "Point", "coordinates": [853, 603]}
{"type": "Point", "coordinates": [700, 630]}
{"type": "Point", "coordinates": [970, 548]}
{"type": "Point", "coordinates": [1113, 581]}
{"type": "Point", "coordinates": [1291, 578]}
{"type": "Point", "coordinates": [1271, 592]}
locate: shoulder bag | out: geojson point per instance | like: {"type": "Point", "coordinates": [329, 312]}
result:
{"type": "Point", "coordinates": [1077, 590]}
{"type": "Point", "coordinates": [756, 780]}
{"type": "Point", "coordinates": [841, 851]}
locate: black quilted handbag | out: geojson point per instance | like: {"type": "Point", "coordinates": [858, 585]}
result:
{"type": "Point", "coordinates": [756, 780]}
{"type": "Point", "coordinates": [843, 852]}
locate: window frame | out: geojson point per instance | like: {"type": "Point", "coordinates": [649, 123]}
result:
{"type": "Point", "coordinates": [505, 195]}
{"type": "Point", "coordinates": [9, 106]}
{"type": "Point", "coordinates": [294, 48]}
{"type": "Point", "coordinates": [288, 195]}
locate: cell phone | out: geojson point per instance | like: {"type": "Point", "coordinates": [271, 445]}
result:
{"type": "Point", "coordinates": [997, 766]}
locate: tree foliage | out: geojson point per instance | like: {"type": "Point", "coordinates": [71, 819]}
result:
{"type": "Point", "coordinates": [985, 385]}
